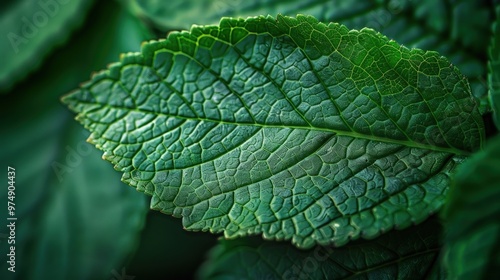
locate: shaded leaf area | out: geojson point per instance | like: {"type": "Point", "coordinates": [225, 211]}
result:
{"type": "Point", "coordinates": [30, 30]}
{"type": "Point", "coordinates": [456, 29]}
{"type": "Point", "coordinates": [75, 219]}
{"type": "Point", "coordinates": [472, 217]}
{"type": "Point", "coordinates": [409, 254]}
{"type": "Point", "coordinates": [494, 70]}
{"type": "Point", "coordinates": [176, 257]}
{"type": "Point", "coordinates": [286, 127]}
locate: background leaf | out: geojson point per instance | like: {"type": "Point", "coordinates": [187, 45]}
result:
{"type": "Point", "coordinates": [30, 29]}
{"type": "Point", "coordinates": [472, 217]}
{"type": "Point", "coordinates": [409, 254]}
{"type": "Point", "coordinates": [494, 70]}
{"type": "Point", "coordinates": [75, 218]}
{"type": "Point", "coordinates": [285, 127]}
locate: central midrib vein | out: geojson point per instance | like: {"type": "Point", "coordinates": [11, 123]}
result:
{"type": "Point", "coordinates": [352, 134]}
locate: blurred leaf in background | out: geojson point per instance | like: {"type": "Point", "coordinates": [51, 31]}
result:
{"type": "Point", "coordinates": [76, 220]}
{"type": "Point", "coordinates": [494, 69]}
{"type": "Point", "coordinates": [409, 254]}
{"type": "Point", "coordinates": [472, 241]}
{"type": "Point", "coordinates": [30, 29]}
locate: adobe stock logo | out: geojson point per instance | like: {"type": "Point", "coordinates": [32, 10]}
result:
{"type": "Point", "coordinates": [30, 26]}
{"type": "Point", "coordinates": [73, 158]}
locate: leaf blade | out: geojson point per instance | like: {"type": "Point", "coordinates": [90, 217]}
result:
{"type": "Point", "coordinates": [242, 128]}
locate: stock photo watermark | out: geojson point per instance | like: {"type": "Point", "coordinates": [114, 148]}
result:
{"type": "Point", "coordinates": [122, 275]}
{"type": "Point", "coordinates": [73, 159]}
{"type": "Point", "coordinates": [30, 26]}
{"type": "Point", "coordinates": [11, 219]}
{"type": "Point", "coordinates": [381, 18]}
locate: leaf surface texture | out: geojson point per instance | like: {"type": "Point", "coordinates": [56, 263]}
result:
{"type": "Point", "coordinates": [287, 127]}
{"type": "Point", "coordinates": [453, 28]}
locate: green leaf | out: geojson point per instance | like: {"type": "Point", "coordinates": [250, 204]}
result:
{"type": "Point", "coordinates": [472, 214]}
{"type": "Point", "coordinates": [409, 254]}
{"type": "Point", "coordinates": [204, 12]}
{"type": "Point", "coordinates": [75, 219]}
{"type": "Point", "coordinates": [454, 30]}
{"type": "Point", "coordinates": [30, 29]}
{"type": "Point", "coordinates": [494, 70]}
{"type": "Point", "coordinates": [286, 127]}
